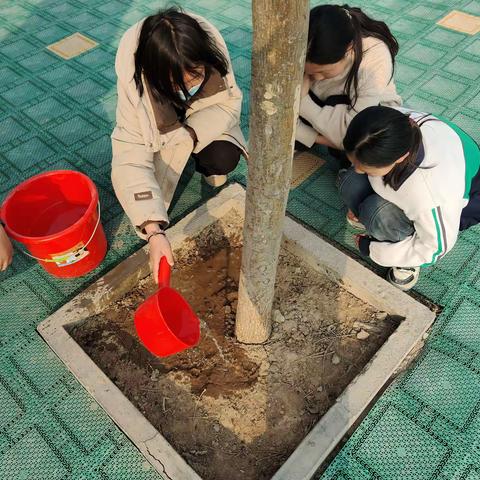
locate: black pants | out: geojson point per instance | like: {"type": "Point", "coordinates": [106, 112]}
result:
{"type": "Point", "coordinates": [471, 213]}
{"type": "Point", "coordinates": [218, 158]}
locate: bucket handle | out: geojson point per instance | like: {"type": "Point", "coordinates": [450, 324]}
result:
{"type": "Point", "coordinates": [49, 260]}
{"type": "Point", "coordinates": [164, 272]}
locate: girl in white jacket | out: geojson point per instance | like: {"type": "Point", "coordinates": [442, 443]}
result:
{"type": "Point", "coordinates": [177, 97]}
{"type": "Point", "coordinates": [414, 185]}
{"type": "Point", "coordinates": [349, 67]}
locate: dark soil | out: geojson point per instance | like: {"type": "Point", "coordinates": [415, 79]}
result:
{"type": "Point", "coordinates": [237, 411]}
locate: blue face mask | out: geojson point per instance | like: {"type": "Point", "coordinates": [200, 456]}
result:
{"type": "Point", "coordinates": [191, 92]}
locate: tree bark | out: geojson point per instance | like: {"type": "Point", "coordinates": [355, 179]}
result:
{"type": "Point", "coordinates": [279, 45]}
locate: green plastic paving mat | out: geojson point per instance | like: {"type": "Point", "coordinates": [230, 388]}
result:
{"type": "Point", "coordinates": [57, 113]}
{"type": "Point", "coordinates": [427, 424]}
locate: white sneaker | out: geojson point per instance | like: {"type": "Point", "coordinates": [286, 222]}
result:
{"type": "Point", "coordinates": [216, 180]}
{"type": "Point", "coordinates": [403, 278]}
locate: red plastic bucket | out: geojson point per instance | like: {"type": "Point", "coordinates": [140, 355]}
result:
{"type": "Point", "coordinates": [165, 322]}
{"type": "Point", "coordinates": [56, 215]}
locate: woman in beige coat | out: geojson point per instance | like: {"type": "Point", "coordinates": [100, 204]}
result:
{"type": "Point", "coordinates": [349, 67]}
{"type": "Point", "coordinates": [177, 97]}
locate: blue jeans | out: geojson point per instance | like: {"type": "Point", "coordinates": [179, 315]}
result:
{"type": "Point", "coordinates": [383, 220]}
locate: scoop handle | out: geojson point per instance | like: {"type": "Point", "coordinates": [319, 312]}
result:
{"type": "Point", "coordinates": [164, 272]}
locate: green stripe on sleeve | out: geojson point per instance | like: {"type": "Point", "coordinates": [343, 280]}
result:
{"type": "Point", "coordinates": [439, 239]}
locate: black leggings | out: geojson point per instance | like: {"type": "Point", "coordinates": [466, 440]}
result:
{"type": "Point", "coordinates": [218, 158]}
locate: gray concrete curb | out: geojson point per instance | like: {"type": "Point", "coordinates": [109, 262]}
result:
{"type": "Point", "coordinates": [317, 253]}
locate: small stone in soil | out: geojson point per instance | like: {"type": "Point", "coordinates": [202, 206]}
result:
{"type": "Point", "coordinates": [290, 325]}
{"type": "Point", "coordinates": [199, 452]}
{"type": "Point", "coordinates": [278, 316]}
{"type": "Point", "coordinates": [232, 296]}
{"type": "Point", "coordinates": [216, 428]}
{"type": "Point", "coordinates": [374, 326]}
{"type": "Point", "coordinates": [228, 309]}
{"type": "Point", "coordinates": [362, 335]}
{"type": "Point", "coordinates": [381, 316]}
{"type": "Point", "coordinates": [320, 389]}
{"type": "Point", "coordinates": [305, 329]}
{"type": "Point", "coordinates": [291, 356]}
{"type": "Point", "coordinates": [336, 359]}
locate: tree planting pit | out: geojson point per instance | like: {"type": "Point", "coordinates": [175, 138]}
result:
{"type": "Point", "coordinates": [229, 410]}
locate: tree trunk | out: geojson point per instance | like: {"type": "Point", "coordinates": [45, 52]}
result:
{"type": "Point", "coordinates": [279, 45]}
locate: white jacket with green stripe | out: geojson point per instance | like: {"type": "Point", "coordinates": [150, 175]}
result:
{"type": "Point", "coordinates": [432, 197]}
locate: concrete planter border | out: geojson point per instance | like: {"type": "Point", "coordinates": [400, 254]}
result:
{"type": "Point", "coordinates": [320, 255]}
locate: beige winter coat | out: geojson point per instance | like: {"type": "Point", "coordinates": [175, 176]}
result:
{"type": "Point", "coordinates": [151, 149]}
{"type": "Point", "coordinates": [375, 87]}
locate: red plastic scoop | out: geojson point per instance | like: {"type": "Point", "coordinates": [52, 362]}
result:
{"type": "Point", "coordinates": [165, 322]}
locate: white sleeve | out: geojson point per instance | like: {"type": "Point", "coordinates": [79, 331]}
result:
{"type": "Point", "coordinates": [133, 170]}
{"type": "Point", "coordinates": [332, 122]}
{"type": "Point", "coordinates": [305, 135]}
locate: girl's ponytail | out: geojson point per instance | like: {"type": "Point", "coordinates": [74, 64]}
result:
{"type": "Point", "coordinates": [357, 47]}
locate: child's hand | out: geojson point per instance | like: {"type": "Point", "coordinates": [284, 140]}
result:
{"type": "Point", "coordinates": [6, 250]}
{"type": "Point", "coordinates": [159, 247]}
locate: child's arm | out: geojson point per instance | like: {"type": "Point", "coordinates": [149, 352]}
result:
{"type": "Point", "coordinates": [6, 250]}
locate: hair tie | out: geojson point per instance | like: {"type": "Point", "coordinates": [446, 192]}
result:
{"type": "Point", "coordinates": [349, 15]}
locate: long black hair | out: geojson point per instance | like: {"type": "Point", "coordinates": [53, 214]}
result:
{"type": "Point", "coordinates": [170, 44]}
{"type": "Point", "coordinates": [378, 136]}
{"type": "Point", "coordinates": [333, 28]}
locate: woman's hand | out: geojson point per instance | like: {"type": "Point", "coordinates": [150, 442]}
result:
{"type": "Point", "coordinates": [321, 140]}
{"type": "Point", "coordinates": [307, 82]}
{"type": "Point", "coordinates": [159, 247]}
{"type": "Point", "coordinates": [6, 250]}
